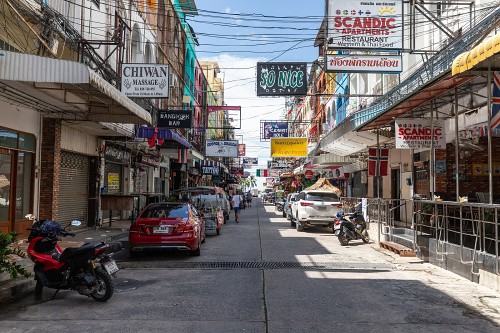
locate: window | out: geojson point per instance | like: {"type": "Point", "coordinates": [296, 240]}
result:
{"type": "Point", "coordinates": [8, 138]}
{"type": "Point", "coordinates": [5, 171]}
{"type": "Point", "coordinates": [166, 211]}
{"type": "Point", "coordinates": [24, 189]}
{"type": "Point", "coordinates": [322, 196]}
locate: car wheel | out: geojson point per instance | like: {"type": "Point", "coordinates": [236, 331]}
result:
{"type": "Point", "coordinates": [298, 226]}
{"type": "Point", "coordinates": [292, 223]}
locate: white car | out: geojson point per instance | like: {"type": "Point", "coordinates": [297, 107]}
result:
{"type": "Point", "coordinates": [315, 208]}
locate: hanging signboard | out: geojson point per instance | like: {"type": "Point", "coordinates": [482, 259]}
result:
{"type": "Point", "coordinates": [222, 148]}
{"type": "Point", "coordinates": [250, 161]}
{"type": "Point", "coordinates": [275, 129]}
{"type": "Point", "coordinates": [278, 164]}
{"type": "Point", "coordinates": [281, 78]}
{"type": "Point", "coordinates": [363, 63]}
{"type": "Point", "coordinates": [145, 80]}
{"type": "Point", "coordinates": [358, 24]}
{"type": "Point", "coordinates": [241, 150]}
{"type": "Point", "coordinates": [420, 133]}
{"type": "Point", "coordinates": [288, 147]}
{"type": "Point", "coordinates": [210, 170]}
{"type": "Point", "coordinates": [175, 118]}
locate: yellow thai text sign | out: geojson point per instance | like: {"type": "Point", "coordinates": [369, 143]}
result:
{"type": "Point", "coordinates": [288, 147]}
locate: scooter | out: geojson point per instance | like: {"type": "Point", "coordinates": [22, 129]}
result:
{"type": "Point", "coordinates": [349, 227]}
{"type": "Point", "coordinates": [279, 206]}
{"type": "Point", "coordinates": [86, 269]}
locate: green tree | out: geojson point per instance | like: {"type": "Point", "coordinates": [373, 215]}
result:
{"type": "Point", "coordinates": [6, 252]}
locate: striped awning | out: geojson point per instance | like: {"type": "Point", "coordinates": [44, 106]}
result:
{"type": "Point", "coordinates": [483, 56]}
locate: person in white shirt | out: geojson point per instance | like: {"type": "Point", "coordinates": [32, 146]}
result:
{"type": "Point", "coordinates": [236, 205]}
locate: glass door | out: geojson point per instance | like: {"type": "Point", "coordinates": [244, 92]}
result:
{"type": "Point", "coordinates": [5, 184]}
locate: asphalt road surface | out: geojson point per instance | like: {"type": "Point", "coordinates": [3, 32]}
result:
{"type": "Point", "coordinates": [262, 276]}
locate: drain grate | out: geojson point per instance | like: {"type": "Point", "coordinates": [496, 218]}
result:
{"type": "Point", "coordinates": [257, 265]}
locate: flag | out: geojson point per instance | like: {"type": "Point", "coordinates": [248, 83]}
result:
{"type": "Point", "coordinates": [378, 158]}
{"type": "Point", "coordinates": [182, 155]}
{"type": "Point", "coordinates": [495, 102]}
{"type": "Point", "coordinates": [261, 173]}
{"type": "Point", "coordinates": [154, 141]}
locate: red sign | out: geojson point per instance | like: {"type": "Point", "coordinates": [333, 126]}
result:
{"type": "Point", "coordinates": [309, 174]}
{"type": "Point", "coordinates": [241, 150]}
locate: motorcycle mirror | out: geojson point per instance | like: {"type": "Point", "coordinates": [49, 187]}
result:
{"type": "Point", "coordinates": [30, 217]}
{"type": "Point", "coordinates": [76, 223]}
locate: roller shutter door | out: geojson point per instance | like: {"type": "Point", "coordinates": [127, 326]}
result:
{"type": "Point", "coordinates": [73, 188]}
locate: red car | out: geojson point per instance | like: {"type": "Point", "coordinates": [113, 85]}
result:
{"type": "Point", "coordinates": [168, 225]}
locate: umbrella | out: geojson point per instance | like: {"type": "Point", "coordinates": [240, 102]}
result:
{"type": "Point", "coordinates": [323, 184]}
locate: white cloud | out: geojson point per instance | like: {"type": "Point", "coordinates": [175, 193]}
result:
{"type": "Point", "coordinates": [239, 76]}
{"type": "Point", "coordinates": [228, 10]}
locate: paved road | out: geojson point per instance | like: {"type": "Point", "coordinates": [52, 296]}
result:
{"type": "Point", "coordinates": [262, 276]}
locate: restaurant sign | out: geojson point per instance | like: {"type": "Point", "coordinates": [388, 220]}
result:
{"type": "Point", "coordinates": [288, 147]}
{"type": "Point", "coordinates": [358, 24]}
{"type": "Point", "coordinates": [418, 133]}
{"type": "Point", "coordinates": [175, 118]}
{"type": "Point", "coordinates": [363, 63]}
{"type": "Point", "coordinates": [145, 80]}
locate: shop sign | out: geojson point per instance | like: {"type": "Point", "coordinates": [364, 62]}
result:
{"type": "Point", "coordinates": [194, 171]}
{"type": "Point", "coordinates": [250, 161]}
{"type": "Point", "coordinates": [275, 129]}
{"type": "Point", "coordinates": [150, 160]}
{"type": "Point", "coordinates": [114, 154]}
{"type": "Point", "coordinates": [308, 174]}
{"type": "Point", "coordinates": [288, 147]}
{"type": "Point", "coordinates": [278, 164]}
{"type": "Point", "coordinates": [354, 24]}
{"type": "Point", "coordinates": [241, 150]}
{"type": "Point", "coordinates": [417, 133]}
{"type": "Point", "coordinates": [270, 180]}
{"type": "Point", "coordinates": [210, 170]}
{"type": "Point", "coordinates": [175, 118]}
{"type": "Point", "coordinates": [113, 182]}
{"type": "Point", "coordinates": [221, 148]}
{"type": "Point", "coordinates": [281, 78]}
{"type": "Point", "coordinates": [145, 80]}
{"type": "Point", "coordinates": [357, 63]}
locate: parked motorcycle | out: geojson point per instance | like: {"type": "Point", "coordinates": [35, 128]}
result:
{"type": "Point", "coordinates": [86, 269]}
{"type": "Point", "coordinates": [279, 206]}
{"type": "Point", "coordinates": [349, 227]}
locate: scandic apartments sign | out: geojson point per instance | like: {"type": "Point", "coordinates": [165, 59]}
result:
{"type": "Point", "coordinates": [288, 147]}
{"type": "Point", "coordinates": [420, 133]}
{"type": "Point", "coordinates": [281, 78]}
{"type": "Point", "coordinates": [359, 24]}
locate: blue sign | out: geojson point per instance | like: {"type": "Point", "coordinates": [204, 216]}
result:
{"type": "Point", "coordinates": [250, 161]}
{"type": "Point", "coordinates": [275, 129]}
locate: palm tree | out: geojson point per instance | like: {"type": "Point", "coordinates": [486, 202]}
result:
{"type": "Point", "coordinates": [252, 181]}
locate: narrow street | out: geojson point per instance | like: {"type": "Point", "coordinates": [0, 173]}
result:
{"type": "Point", "coordinates": [260, 275]}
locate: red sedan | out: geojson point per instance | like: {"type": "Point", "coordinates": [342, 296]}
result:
{"type": "Point", "coordinates": [167, 225]}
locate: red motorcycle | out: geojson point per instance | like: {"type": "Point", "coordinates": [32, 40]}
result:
{"type": "Point", "coordinates": [86, 269]}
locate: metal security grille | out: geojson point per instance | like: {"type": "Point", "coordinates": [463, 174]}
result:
{"type": "Point", "coordinates": [73, 188]}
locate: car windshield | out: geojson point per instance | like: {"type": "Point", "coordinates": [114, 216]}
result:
{"type": "Point", "coordinates": [166, 211]}
{"type": "Point", "coordinates": [318, 196]}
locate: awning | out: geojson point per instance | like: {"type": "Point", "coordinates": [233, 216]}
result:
{"type": "Point", "coordinates": [65, 89]}
{"type": "Point", "coordinates": [162, 133]}
{"type": "Point", "coordinates": [480, 57]}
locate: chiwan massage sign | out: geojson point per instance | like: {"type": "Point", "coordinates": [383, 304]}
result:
{"type": "Point", "coordinates": [145, 80]}
{"type": "Point", "coordinates": [420, 133]}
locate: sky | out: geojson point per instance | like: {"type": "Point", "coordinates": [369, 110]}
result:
{"type": "Point", "coordinates": [238, 34]}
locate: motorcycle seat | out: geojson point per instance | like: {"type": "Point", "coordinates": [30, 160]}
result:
{"type": "Point", "coordinates": [71, 252]}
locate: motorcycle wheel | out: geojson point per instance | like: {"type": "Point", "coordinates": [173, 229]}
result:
{"type": "Point", "coordinates": [106, 287]}
{"type": "Point", "coordinates": [38, 289]}
{"type": "Point", "coordinates": [365, 237]}
{"type": "Point", "coordinates": [343, 240]}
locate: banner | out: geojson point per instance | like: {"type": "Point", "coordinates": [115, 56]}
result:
{"type": "Point", "coordinates": [495, 102]}
{"type": "Point", "coordinates": [288, 147]}
{"type": "Point", "coordinates": [145, 80]}
{"type": "Point", "coordinates": [281, 78]}
{"type": "Point", "coordinates": [420, 133]}
{"type": "Point", "coordinates": [221, 148]}
{"type": "Point", "coordinates": [378, 158]}
{"type": "Point", "coordinates": [250, 161]}
{"type": "Point", "coordinates": [241, 150]}
{"type": "Point", "coordinates": [361, 63]}
{"type": "Point", "coordinates": [365, 24]}
{"type": "Point", "coordinates": [175, 118]}
{"type": "Point", "coordinates": [275, 129]}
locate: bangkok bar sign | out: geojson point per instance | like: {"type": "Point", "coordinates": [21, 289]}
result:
{"type": "Point", "coordinates": [145, 80]}
{"type": "Point", "coordinates": [281, 78]}
{"type": "Point", "coordinates": [175, 118]}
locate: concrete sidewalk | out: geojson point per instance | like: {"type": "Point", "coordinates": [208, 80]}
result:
{"type": "Point", "coordinates": [10, 289]}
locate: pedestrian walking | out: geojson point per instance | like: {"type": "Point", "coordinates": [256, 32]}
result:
{"type": "Point", "coordinates": [237, 200]}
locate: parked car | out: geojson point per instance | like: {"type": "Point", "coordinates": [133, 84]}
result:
{"type": "Point", "coordinates": [287, 211]}
{"type": "Point", "coordinates": [315, 208]}
{"type": "Point", "coordinates": [168, 225]}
